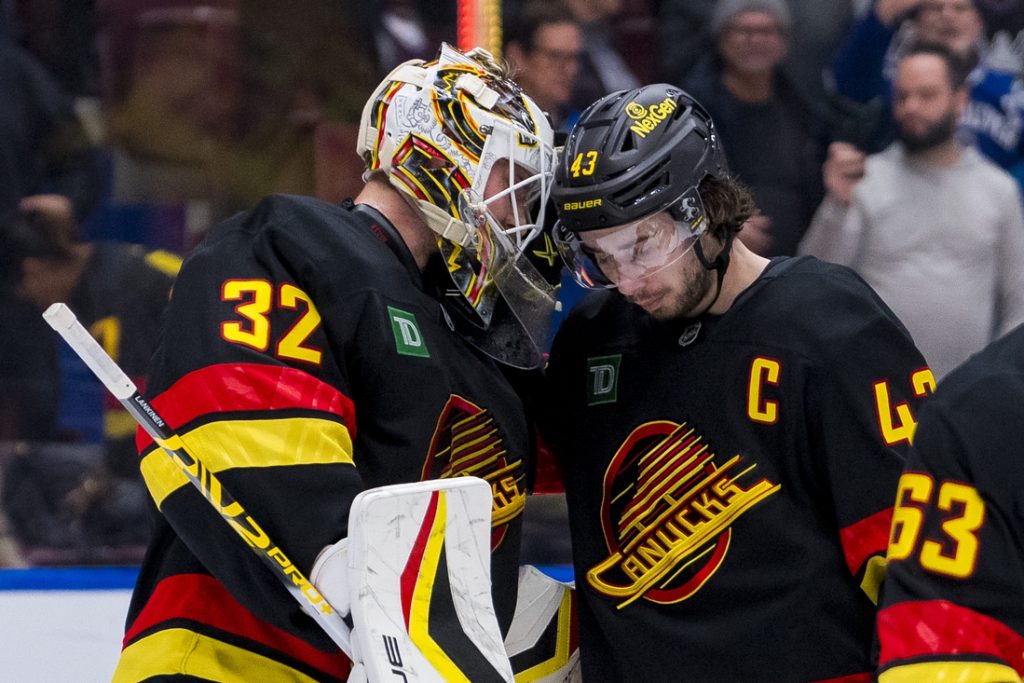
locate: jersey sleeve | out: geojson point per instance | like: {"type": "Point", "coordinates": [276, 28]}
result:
{"type": "Point", "coordinates": [252, 382]}
{"type": "Point", "coordinates": [864, 408]}
{"type": "Point", "coordinates": [952, 601]}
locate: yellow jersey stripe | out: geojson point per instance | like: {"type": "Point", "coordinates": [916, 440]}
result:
{"type": "Point", "coordinates": [230, 444]}
{"type": "Point", "coordinates": [118, 423]}
{"type": "Point", "coordinates": [950, 672]}
{"type": "Point", "coordinates": [178, 651]}
{"type": "Point", "coordinates": [164, 261]}
{"type": "Point", "coordinates": [874, 574]}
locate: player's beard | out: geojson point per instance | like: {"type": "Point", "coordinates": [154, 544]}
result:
{"type": "Point", "coordinates": [685, 303]}
{"type": "Point", "coordinates": [938, 133]}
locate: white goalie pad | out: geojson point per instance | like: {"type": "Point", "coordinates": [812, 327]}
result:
{"type": "Point", "coordinates": [542, 642]}
{"type": "Point", "coordinates": [419, 570]}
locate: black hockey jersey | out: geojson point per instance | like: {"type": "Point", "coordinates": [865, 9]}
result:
{"type": "Point", "coordinates": [730, 479]}
{"type": "Point", "coordinates": [953, 605]}
{"type": "Point", "coordinates": [305, 358]}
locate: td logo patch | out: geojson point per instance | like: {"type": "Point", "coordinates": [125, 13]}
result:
{"type": "Point", "coordinates": [409, 340]}
{"type": "Point", "coordinates": [603, 379]}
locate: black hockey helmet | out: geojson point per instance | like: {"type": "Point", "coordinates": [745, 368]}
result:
{"type": "Point", "coordinates": [634, 153]}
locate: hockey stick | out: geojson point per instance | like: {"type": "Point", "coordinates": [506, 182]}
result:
{"type": "Point", "coordinates": [63, 320]}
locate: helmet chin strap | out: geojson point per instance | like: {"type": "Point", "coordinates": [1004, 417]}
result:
{"type": "Point", "coordinates": [720, 264]}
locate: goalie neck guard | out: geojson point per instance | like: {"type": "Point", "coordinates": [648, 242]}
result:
{"type": "Point", "coordinates": [475, 156]}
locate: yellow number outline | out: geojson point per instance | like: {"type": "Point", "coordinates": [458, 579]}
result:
{"type": "Point", "coordinates": [902, 427]}
{"type": "Point", "coordinates": [907, 519]}
{"type": "Point", "coordinates": [257, 298]}
{"type": "Point", "coordinates": [960, 530]}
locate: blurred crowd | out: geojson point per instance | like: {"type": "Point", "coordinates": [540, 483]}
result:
{"type": "Point", "coordinates": [883, 134]}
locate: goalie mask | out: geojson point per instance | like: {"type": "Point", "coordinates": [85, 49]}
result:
{"type": "Point", "coordinates": [475, 156]}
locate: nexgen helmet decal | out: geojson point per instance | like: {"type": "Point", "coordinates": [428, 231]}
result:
{"type": "Point", "coordinates": [675, 507]}
{"type": "Point", "coordinates": [637, 151]}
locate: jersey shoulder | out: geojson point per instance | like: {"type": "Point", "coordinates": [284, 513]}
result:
{"type": "Point", "coordinates": [602, 318]}
{"type": "Point", "coordinates": [985, 390]}
{"type": "Point", "coordinates": [970, 430]}
{"type": "Point", "coordinates": [299, 235]}
{"type": "Point", "coordinates": [120, 273]}
{"type": "Point", "coordinates": [824, 308]}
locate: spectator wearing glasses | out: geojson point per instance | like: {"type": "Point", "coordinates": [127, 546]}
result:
{"type": "Point", "coordinates": [776, 138]}
{"type": "Point", "coordinates": [543, 43]}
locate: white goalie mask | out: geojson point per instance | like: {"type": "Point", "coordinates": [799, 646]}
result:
{"type": "Point", "coordinates": [475, 155]}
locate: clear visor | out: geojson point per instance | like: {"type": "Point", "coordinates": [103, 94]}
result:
{"type": "Point", "coordinates": [633, 251]}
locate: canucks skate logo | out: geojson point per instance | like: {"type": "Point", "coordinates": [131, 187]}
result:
{"type": "Point", "coordinates": [667, 513]}
{"type": "Point", "coordinates": [467, 442]}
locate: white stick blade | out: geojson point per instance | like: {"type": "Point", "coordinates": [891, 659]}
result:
{"type": "Point", "coordinates": [65, 323]}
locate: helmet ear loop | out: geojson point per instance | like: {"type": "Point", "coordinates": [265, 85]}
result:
{"type": "Point", "coordinates": [721, 262]}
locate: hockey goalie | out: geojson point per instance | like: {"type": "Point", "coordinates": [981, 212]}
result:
{"type": "Point", "coordinates": [331, 392]}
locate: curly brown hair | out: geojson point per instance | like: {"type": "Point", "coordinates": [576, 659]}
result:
{"type": "Point", "coordinates": [728, 204]}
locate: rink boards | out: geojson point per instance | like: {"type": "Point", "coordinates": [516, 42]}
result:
{"type": "Point", "coordinates": [61, 625]}
{"type": "Point", "coordinates": [65, 624]}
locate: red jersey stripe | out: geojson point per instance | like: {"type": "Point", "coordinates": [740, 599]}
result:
{"type": "Point", "coordinates": [936, 627]}
{"type": "Point", "coordinates": [869, 536]}
{"type": "Point", "coordinates": [246, 386]}
{"type": "Point", "coordinates": [202, 599]}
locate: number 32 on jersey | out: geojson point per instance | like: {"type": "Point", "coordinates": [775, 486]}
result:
{"type": "Point", "coordinates": [258, 299]}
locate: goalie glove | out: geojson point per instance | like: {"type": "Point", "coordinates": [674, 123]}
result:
{"type": "Point", "coordinates": [330, 576]}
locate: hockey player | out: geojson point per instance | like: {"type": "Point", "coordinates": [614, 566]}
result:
{"type": "Point", "coordinates": [731, 429]}
{"type": "Point", "coordinates": [953, 605]}
{"type": "Point", "coordinates": [312, 351]}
